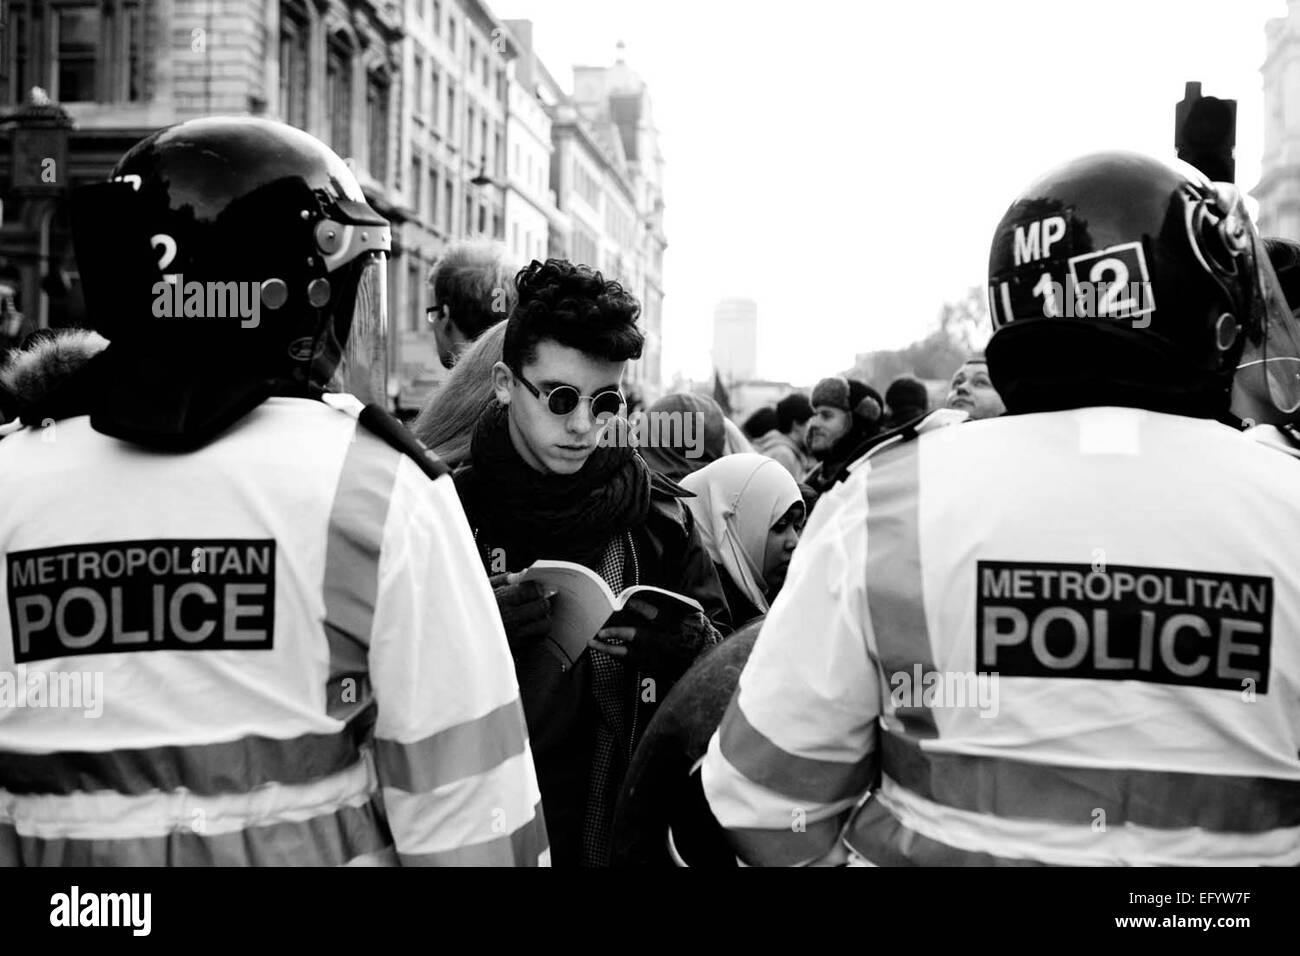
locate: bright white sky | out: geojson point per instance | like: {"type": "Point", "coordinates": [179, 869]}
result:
{"type": "Point", "coordinates": [844, 163]}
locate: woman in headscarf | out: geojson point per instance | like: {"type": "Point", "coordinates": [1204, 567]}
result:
{"type": "Point", "coordinates": [750, 514]}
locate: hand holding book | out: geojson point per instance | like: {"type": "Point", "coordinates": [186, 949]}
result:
{"type": "Point", "coordinates": [525, 609]}
{"type": "Point", "coordinates": [584, 604]}
{"type": "Point", "coordinates": [656, 638]}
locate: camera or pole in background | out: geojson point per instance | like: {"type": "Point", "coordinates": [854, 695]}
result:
{"type": "Point", "coordinates": [1205, 133]}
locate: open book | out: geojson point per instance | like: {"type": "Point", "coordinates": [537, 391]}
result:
{"type": "Point", "coordinates": [583, 602]}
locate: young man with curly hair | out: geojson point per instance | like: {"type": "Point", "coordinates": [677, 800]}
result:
{"type": "Point", "coordinates": [543, 484]}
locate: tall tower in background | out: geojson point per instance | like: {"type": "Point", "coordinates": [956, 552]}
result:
{"type": "Point", "coordinates": [1278, 190]}
{"type": "Point", "coordinates": [735, 339]}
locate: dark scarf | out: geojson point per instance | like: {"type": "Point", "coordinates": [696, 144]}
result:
{"type": "Point", "coordinates": [533, 515]}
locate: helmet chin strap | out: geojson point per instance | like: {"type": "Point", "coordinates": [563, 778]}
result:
{"type": "Point", "coordinates": [312, 380]}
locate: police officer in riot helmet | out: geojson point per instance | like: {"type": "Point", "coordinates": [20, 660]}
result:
{"type": "Point", "coordinates": [279, 581]}
{"type": "Point", "coordinates": [192, 209]}
{"type": "Point", "coordinates": [1124, 567]}
{"type": "Point", "coordinates": [1161, 301]}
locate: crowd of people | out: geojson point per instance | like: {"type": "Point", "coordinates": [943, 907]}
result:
{"type": "Point", "coordinates": [716, 519]}
{"type": "Point", "coordinates": [392, 692]}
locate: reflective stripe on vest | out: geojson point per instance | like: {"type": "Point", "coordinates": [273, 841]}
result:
{"type": "Point", "coordinates": [937, 809]}
{"type": "Point", "coordinates": [893, 574]}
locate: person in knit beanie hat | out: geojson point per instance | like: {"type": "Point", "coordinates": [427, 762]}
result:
{"type": "Point", "coordinates": [865, 402]}
{"type": "Point", "coordinates": [846, 413]}
{"type": "Point", "coordinates": [906, 399]}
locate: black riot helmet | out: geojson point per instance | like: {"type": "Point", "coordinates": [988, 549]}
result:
{"type": "Point", "coordinates": [228, 259]}
{"type": "Point", "coordinates": [1117, 279]}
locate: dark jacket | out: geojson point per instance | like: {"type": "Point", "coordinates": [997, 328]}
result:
{"type": "Point", "coordinates": [660, 791]}
{"type": "Point", "coordinates": [558, 704]}
{"type": "Point", "coordinates": [741, 608]}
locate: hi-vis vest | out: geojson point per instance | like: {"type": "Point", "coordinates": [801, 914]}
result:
{"type": "Point", "coordinates": [1068, 638]}
{"type": "Point", "coordinates": [279, 649]}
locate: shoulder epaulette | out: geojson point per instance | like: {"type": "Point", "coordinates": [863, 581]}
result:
{"type": "Point", "coordinates": [1283, 438]}
{"type": "Point", "coordinates": [908, 432]}
{"type": "Point", "coordinates": [382, 425]}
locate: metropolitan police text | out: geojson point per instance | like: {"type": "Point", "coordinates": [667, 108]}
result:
{"type": "Point", "coordinates": [1161, 625]}
{"type": "Point", "coordinates": [191, 594]}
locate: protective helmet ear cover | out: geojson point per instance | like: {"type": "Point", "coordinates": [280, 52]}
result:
{"type": "Point", "coordinates": [1120, 279]}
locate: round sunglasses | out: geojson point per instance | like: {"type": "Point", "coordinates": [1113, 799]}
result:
{"type": "Point", "coordinates": [563, 399]}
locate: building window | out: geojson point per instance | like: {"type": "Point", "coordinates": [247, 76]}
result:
{"type": "Point", "coordinates": [437, 16]}
{"type": "Point", "coordinates": [451, 33]}
{"type": "Point", "coordinates": [498, 155]}
{"type": "Point", "coordinates": [584, 247]}
{"type": "Point", "coordinates": [133, 46]}
{"type": "Point", "coordinates": [498, 228]}
{"type": "Point", "coordinates": [377, 89]}
{"type": "Point", "coordinates": [76, 48]}
{"type": "Point", "coordinates": [433, 192]}
{"type": "Point", "coordinates": [473, 54]}
{"type": "Point", "coordinates": [96, 51]}
{"type": "Point", "coordinates": [482, 220]}
{"type": "Point", "coordinates": [417, 180]}
{"type": "Point", "coordinates": [501, 86]}
{"type": "Point", "coordinates": [435, 95]}
{"type": "Point", "coordinates": [483, 143]}
{"type": "Point", "coordinates": [417, 83]}
{"type": "Point", "coordinates": [16, 51]}
{"type": "Point", "coordinates": [586, 185]}
{"type": "Point", "coordinates": [514, 238]}
{"type": "Point", "coordinates": [415, 290]}
{"type": "Point", "coordinates": [338, 93]}
{"type": "Point", "coordinates": [469, 129]}
{"type": "Point", "coordinates": [448, 204]}
{"type": "Point", "coordinates": [451, 112]}
{"type": "Point", "coordinates": [295, 35]}
{"type": "Point", "coordinates": [469, 214]}
{"type": "Point", "coordinates": [487, 76]}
